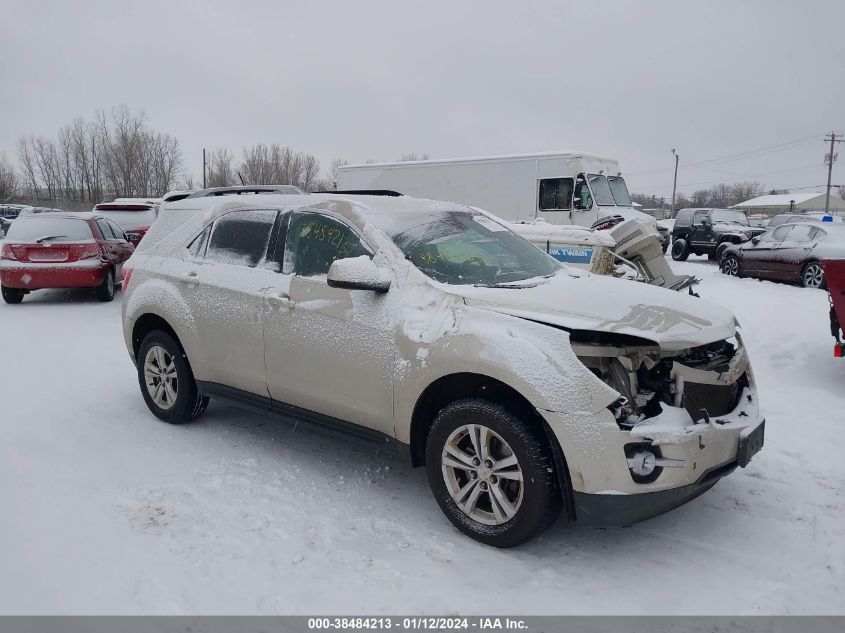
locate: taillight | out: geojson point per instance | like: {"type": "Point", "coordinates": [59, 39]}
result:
{"type": "Point", "coordinates": [6, 253]}
{"type": "Point", "coordinates": [89, 251]}
{"type": "Point", "coordinates": [127, 275]}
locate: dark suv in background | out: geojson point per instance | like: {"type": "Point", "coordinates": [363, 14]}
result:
{"type": "Point", "coordinates": [709, 231]}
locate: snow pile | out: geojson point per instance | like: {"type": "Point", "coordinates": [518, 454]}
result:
{"type": "Point", "coordinates": [110, 511]}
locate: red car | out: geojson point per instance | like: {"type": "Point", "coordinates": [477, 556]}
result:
{"type": "Point", "coordinates": [834, 273]}
{"type": "Point", "coordinates": [133, 215]}
{"type": "Point", "coordinates": [63, 250]}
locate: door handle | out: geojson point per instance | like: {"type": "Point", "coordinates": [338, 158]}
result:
{"type": "Point", "coordinates": [282, 300]}
{"type": "Point", "coordinates": [191, 278]}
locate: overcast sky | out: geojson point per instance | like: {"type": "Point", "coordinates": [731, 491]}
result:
{"type": "Point", "coordinates": [374, 80]}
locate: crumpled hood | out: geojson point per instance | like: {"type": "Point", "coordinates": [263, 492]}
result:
{"type": "Point", "coordinates": [603, 304]}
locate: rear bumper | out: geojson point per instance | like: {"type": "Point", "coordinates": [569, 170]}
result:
{"type": "Point", "coordinates": [35, 276]}
{"type": "Point", "coordinates": [608, 510]}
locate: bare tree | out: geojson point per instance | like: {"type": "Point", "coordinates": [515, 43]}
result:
{"type": "Point", "coordinates": [742, 191]}
{"type": "Point", "coordinates": [274, 164]}
{"type": "Point", "coordinates": [334, 172]}
{"type": "Point", "coordinates": [220, 172]}
{"type": "Point", "coordinates": [26, 156]}
{"type": "Point", "coordinates": [8, 178]}
{"type": "Point", "coordinates": [413, 156]}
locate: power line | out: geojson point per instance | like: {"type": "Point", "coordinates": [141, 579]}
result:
{"type": "Point", "coordinates": [739, 178]}
{"type": "Point", "coordinates": [733, 157]}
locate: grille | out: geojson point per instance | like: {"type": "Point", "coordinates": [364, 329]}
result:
{"type": "Point", "coordinates": [716, 400]}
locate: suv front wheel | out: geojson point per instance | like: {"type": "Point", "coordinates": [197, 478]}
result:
{"type": "Point", "coordinates": [491, 475]}
{"type": "Point", "coordinates": [166, 380]}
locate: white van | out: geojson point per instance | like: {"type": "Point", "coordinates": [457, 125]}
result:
{"type": "Point", "coordinates": [561, 187]}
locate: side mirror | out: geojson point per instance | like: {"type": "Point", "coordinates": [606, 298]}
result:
{"type": "Point", "coordinates": [133, 237]}
{"type": "Point", "coordinates": [755, 240]}
{"type": "Point", "coordinates": [358, 273]}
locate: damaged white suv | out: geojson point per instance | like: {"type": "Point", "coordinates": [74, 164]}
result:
{"type": "Point", "coordinates": [524, 387]}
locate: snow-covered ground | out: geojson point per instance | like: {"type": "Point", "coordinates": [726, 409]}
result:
{"type": "Point", "coordinates": [107, 510]}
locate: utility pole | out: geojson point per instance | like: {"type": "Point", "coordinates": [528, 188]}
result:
{"type": "Point", "coordinates": [203, 168]}
{"type": "Point", "coordinates": [675, 184]}
{"type": "Point", "coordinates": [829, 159]}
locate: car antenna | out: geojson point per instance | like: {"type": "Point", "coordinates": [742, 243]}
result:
{"type": "Point", "coordinates": [242, 179]}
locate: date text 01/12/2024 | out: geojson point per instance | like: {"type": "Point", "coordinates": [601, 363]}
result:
{"type": "Point", "coordinates": [418, 623]}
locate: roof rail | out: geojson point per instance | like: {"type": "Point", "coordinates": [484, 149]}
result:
{"type": "Point", "coordinates": [246, 189]}
{"type": "Point", "coordinates": [364, 192]}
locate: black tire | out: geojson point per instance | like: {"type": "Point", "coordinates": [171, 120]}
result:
{"type": "Point", "coordinates": [189, 404]}
{"type": "Point", "coordinates": [680, 250]}
{"type": "Point", "coordinates": [541, 495]}
{"type": "Point", "coordinates": [720, 250]}
{"type": "Point", "coordinates": [805, 282]}
{"type": "Point", "coordinates": [730, 265]}
{"type": "Point", "coordinates": [105, 291]}
{"type": "Point", "coordinates": [12, 295]}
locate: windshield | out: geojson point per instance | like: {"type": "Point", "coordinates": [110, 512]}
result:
{"type": "Point", "coordinates": [129, 220]}
{"type": "Point", "coordinates": [728, 216]}
{"type": "Point", "coordinates": [460, 247]}
{"type": "Point", "coordinates": [601, 190]}
{"type": "Point", "coordinates": [620, 191]}
{"type": "Point", "coordinates": [36, 227]}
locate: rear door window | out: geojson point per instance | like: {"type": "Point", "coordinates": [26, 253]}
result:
{"type": "Point", "coordinates": [105, 229]}
{"type": "Point", "coordinates": [118, 232]}
{"type": "Point", "coordinates": [241, 237]}
{"type": "Point", "coordinates": [802, 233]}
{"type": "Point", "coordinates": [33, 228]}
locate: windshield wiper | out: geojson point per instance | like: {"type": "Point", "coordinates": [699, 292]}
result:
{"type": "Point", "coordinates": [519, 283]}
{"type": "Point", "coordinates": [41, 240]}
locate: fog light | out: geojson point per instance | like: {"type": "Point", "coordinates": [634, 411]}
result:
{"type": "Point", "coordinates": [642, 463]}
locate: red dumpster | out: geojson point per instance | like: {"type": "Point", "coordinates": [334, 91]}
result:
{"type": "Point", "coordinates": [834, 273]}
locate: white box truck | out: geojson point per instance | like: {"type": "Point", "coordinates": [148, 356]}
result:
{"type": "Point", "coordinates": [561, 187]}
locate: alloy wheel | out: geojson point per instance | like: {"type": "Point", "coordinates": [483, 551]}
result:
{"type": "Point", "coordinates": [813, 276]}
{"type": "Point", "coordinates": [160, 377]}
{"type": "Point", "coordinates": [731, 266]}
{"type": "Point", "coordinates": [482, 474]}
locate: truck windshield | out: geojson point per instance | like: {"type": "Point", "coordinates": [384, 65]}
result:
{"type": "Point", "coordinates": [728, 216]}
{"type": "Point", "coordinates": [601, 190]}
{"type": "Point", "coordinates": [461, 248]}
{"type": "Point", "coordinates": [620, 191]}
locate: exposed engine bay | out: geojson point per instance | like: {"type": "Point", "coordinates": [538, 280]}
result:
{"type": "Point", "coordinates": [707, 381]}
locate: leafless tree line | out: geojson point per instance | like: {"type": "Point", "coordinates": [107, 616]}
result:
{"type": "Point", "coordinates": [718, 197]}
{"type": "Point", "coordinates": [265, 164]}
{"type": "Point", "coordinates": [115, 154]}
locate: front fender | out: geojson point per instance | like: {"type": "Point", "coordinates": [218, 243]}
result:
{"type": "Point", "coordinates": [534, 359]}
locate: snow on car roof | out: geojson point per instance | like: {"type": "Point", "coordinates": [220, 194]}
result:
{"type": "Point", "coordinates": [80, 215]}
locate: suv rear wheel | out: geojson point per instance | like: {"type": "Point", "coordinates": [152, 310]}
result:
{"type": "Point", "coordinates": [680, 250]}
{"type": "Point", "coordinates": [166, 380]}
{"type": "Point", "coordinates": [490, 474]}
